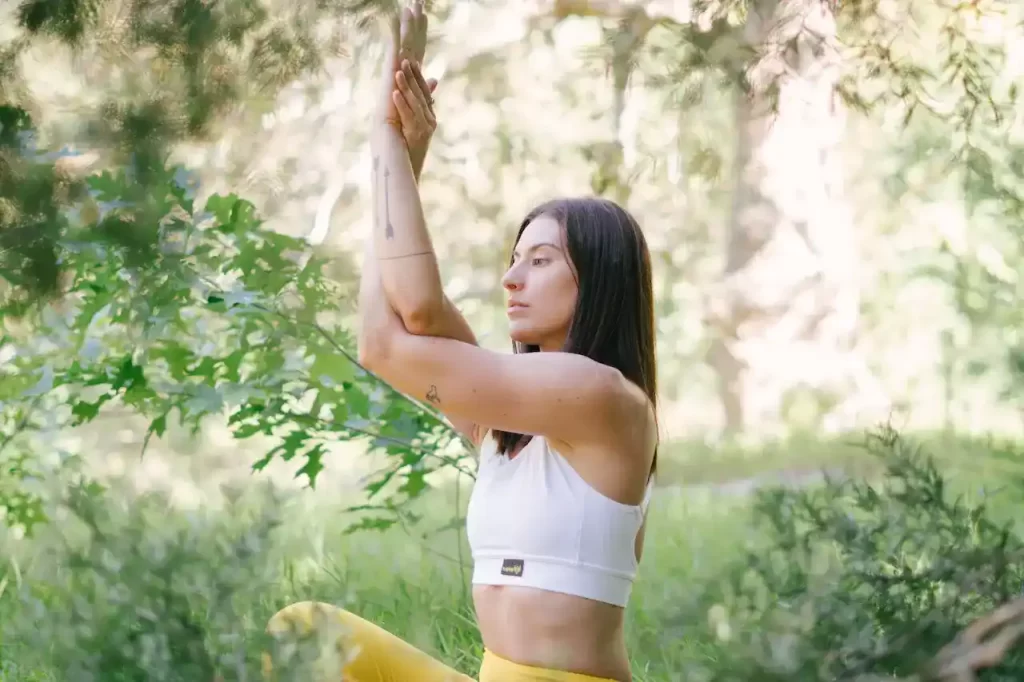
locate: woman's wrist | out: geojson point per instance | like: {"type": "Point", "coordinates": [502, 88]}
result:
{"type": "Point", "coordinates": [382, 131]}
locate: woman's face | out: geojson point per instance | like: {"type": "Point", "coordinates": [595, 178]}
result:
{"type": "Point", "coordinates": [541, 287]}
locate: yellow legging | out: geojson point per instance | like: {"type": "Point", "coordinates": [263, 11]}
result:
{"type": "Point", "coordinates": [359, 651]}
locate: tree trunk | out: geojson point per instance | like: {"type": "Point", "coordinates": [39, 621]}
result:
{"type": "Point", "coordinates": [786, 312]}
{"type": "Point", "coordinates": [610, 176]}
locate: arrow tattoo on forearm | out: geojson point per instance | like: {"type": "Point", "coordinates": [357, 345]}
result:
{"type": "Point", "coordinates": [389, 231]}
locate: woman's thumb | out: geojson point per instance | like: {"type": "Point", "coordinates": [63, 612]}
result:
{"type": "Point", "coordinates": [431, 85]}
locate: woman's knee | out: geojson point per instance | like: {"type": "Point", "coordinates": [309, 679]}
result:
{"type": "Point", "coordinates": [302, 618]}
{"type": "Point", "coordinates": [307, 636]}
{"type": "Point", "coordinates": [331, 639]}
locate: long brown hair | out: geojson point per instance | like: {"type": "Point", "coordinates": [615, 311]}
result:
{"type": "Point", "coordinates": [614, 318]}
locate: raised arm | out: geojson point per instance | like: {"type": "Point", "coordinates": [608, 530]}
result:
{"type": "Point", "coordinates": [406, 274]}
{"type": "Point", "coordinates": [568, 398]}
{"type": "Point", "coordinates": [409, 270]}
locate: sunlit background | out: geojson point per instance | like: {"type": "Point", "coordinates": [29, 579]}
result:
{"type": "Point", "coordinates": [832, 199]}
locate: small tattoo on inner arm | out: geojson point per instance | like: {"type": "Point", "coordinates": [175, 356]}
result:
{"type": "Point", "coordinates": [432, 395]}
{"type": "Point", "coordinates": [389, 230]}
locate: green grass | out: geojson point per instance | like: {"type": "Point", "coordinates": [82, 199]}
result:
{"type": "Point", "coordinates": [697, 463]}
{"type": "Point", "coordinates": [423, 596]}
{"type": "Point", "coordinates": [417, 587]}
{"type": "Point", "coordinates": [414, 582]}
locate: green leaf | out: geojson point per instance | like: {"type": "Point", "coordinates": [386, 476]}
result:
{"type": "Point", "coordinates": [84, 411]}
{"type": "Point", "coordinates": [129, 375]}
{"type": "Point", "coordinates": [233, 215]}
{"type": "Point", "coordinates": [106, 186]}
{"type": "Point", "coordinates": [331, 368]}
{"type": "Point", "coordinates": [415, 483]}
{"type": "Point", "coordinates": [156, 333]}
{"type": "Point", "coordinates": [376, 523]}
{"type": "Point", "coordinates": [158, 426]}
{"type": "Point", "coordinates": [314, 464]}
{"type": "Point", "coordinates": [291, 445]}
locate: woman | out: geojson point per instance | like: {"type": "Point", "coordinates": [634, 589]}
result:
{"type": "Point", "coordinates": [566, 425]}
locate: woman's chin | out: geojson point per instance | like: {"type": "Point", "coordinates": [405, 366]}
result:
{"type": "Point", "coordinates": [530, 336]}
{"type": "Point", "coordinates": [524, 335]}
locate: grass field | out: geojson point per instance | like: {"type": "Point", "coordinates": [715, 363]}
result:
{"type": "Point", "coordinates": [230, 570]}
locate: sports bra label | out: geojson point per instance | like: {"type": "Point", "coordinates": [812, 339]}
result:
{"type": "Point", "coordinates": [512, 567]}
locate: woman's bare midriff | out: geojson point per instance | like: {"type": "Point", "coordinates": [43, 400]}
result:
{"type": "Point", "coordinates": [551, 630]}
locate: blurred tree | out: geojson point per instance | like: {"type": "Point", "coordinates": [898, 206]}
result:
{"type": "Point", "coordinates": [786, 314]}
{"type": "Point", "coordinates": [547, 97]}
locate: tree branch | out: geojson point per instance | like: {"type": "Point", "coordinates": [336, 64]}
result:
{"type": "Point", "coordinates": [981, 645]}
{"type": "Point", "coordinates": [678, 12]}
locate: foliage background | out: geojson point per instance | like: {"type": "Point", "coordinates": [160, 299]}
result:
{"type": "Point", "coordinates": [192, 178]}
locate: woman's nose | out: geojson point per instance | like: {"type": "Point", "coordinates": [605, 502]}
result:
{"type": "Point", "coordinates": [511, 281]}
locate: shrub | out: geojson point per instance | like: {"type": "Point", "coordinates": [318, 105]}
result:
{"type": "Point", "coordinates": [858, 579]}
{"type": "Point", "coordinates": [132, 594]}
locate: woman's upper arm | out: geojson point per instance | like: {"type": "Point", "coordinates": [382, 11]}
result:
{"type": "Point", "coordinates": [450, 324]}
{"type": "Point", "coordinates": [559, 395]}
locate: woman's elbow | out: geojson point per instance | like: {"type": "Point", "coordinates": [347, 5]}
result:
{"type": "Point", "coordinates": [421, 317]}
{"type": "Point", "coordinates": [421, 321]}
{"type": "Point", "coordinates": [420, 308]}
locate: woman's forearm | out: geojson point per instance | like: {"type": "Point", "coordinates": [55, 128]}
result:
{"type": "Point", "coordinates": [373, 306]}
{"type": "Point", "coordinates": [380, 324]}
{"type": "Point", "coordinates": [408, 267]}
{"type": "Point", "coordinates": [416, 159]}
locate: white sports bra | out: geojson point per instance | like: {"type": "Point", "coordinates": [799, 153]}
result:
{"type": "Point", "coordinates": [533, 521]}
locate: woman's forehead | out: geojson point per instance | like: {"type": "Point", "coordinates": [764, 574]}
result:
{"type": "Point", "coordinates": [542, 229]}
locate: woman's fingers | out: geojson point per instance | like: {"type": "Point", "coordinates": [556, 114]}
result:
{"type": "Point", "coordinates": [418, 122]}
{"type": "Point", "coordinates": [408, 24]}
{"type": "Point", "coordinates": [421, 20]}
{"type": "Point", "coordinates": [414, 97]}
{"type": "Point", "coordinates": [414, 31]}
{"type": "Point", "coordinates": [414, 71]}
{"type": "Point", "coordinates": [409, 120]}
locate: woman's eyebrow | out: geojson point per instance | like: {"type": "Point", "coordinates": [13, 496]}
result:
{"type": "Point", "coordinates": [536, 246]}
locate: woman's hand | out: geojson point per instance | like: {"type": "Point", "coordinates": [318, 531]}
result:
{"type": "Point", "coordinates": [415, 106]}
{"type": "Point", "coordinates": [411, 94]}
{"type": "Point", "coordinates": [406, 103]}
{"type": "Point", "coordinates": [413, 33]}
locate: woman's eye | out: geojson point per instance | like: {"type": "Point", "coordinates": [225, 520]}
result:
{"type": "Point", "coordinates": [539, 261]}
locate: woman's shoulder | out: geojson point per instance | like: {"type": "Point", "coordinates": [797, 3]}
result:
{"type": "Point", "coordinates": [636, 425]}
{"type": "Point", "coordinates": [632, 402]}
